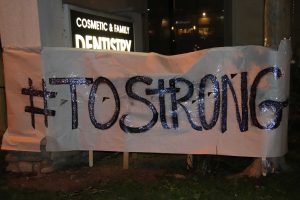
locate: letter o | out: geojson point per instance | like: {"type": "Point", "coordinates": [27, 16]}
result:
{"type": "Point", "coordinates": [91, 104]}
{"type": "Point", "coordinates": [201, 102]}
{"type": "Point", "coordinates": [83, 23]}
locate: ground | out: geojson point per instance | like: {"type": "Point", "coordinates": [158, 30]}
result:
{"type": "Point", "coordinates": [155, 176]}
{"type": "Point", "coordinates": [145, 167]}
{"type": "Point", "coordinates": [81, 177]}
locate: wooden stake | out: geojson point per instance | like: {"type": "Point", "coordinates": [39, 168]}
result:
{"type": "Point", "coordinates": [189, 161]}
{"type": "Point", "coordinates": [91, 158]}
{"type": "Point", "coordinates": [125, 160]}
{"type": "Point", "coordinates": [264, 166]}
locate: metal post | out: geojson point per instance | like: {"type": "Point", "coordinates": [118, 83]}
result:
{"type": "Point", "coordinates": [277, 26]}
{"type": "Point", "coordinates": [277, 22]}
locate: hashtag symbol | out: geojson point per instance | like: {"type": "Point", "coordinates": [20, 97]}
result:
{"type": "Point", "coordinates": [31, 92]}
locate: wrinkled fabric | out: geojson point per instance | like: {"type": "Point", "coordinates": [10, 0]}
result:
{"type": "Point", "coordinates": [221, 101]}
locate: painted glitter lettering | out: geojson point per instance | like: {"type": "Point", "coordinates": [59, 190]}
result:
{"type": "Point", "coordinates": [210, 91]}
{"type": "Point", "coordinates": [31, 92]}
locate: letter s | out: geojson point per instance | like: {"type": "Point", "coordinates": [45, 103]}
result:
{"type": "Point", "coordinates": [130, 93]}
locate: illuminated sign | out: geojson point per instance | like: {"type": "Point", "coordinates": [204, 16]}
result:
{"type": "Point", "coordinates": [91, 31]}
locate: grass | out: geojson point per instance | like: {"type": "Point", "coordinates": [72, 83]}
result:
{"type": "Point", "coordinates": [280, 186]}
{"type": "Point", "coordinates": [197, 188]}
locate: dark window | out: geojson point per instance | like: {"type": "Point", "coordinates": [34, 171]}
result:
{"type": "Point", "coordinates": [177, 26]}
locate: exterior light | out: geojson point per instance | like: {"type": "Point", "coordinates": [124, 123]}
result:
{"type": "Point", "coordinates": [172, 28]}
{"type": "Point", "coordinates": [204, 14]}
{"type": "Point", "coordinates": [194, 27]}
{"type": "Point", "coordinates": [164, 23]}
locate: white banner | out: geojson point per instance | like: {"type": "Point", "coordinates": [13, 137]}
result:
{"type": "Point", "coordinates": [225, 101]}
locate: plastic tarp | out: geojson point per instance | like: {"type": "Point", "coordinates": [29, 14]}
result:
{"type": "Point", "coordinates": [224, 101]}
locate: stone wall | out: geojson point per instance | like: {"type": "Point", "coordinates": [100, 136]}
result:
{"type": "Point", "coordinates": [29, 162]}
{"type": "Point", "coordinates": [43, 162]}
